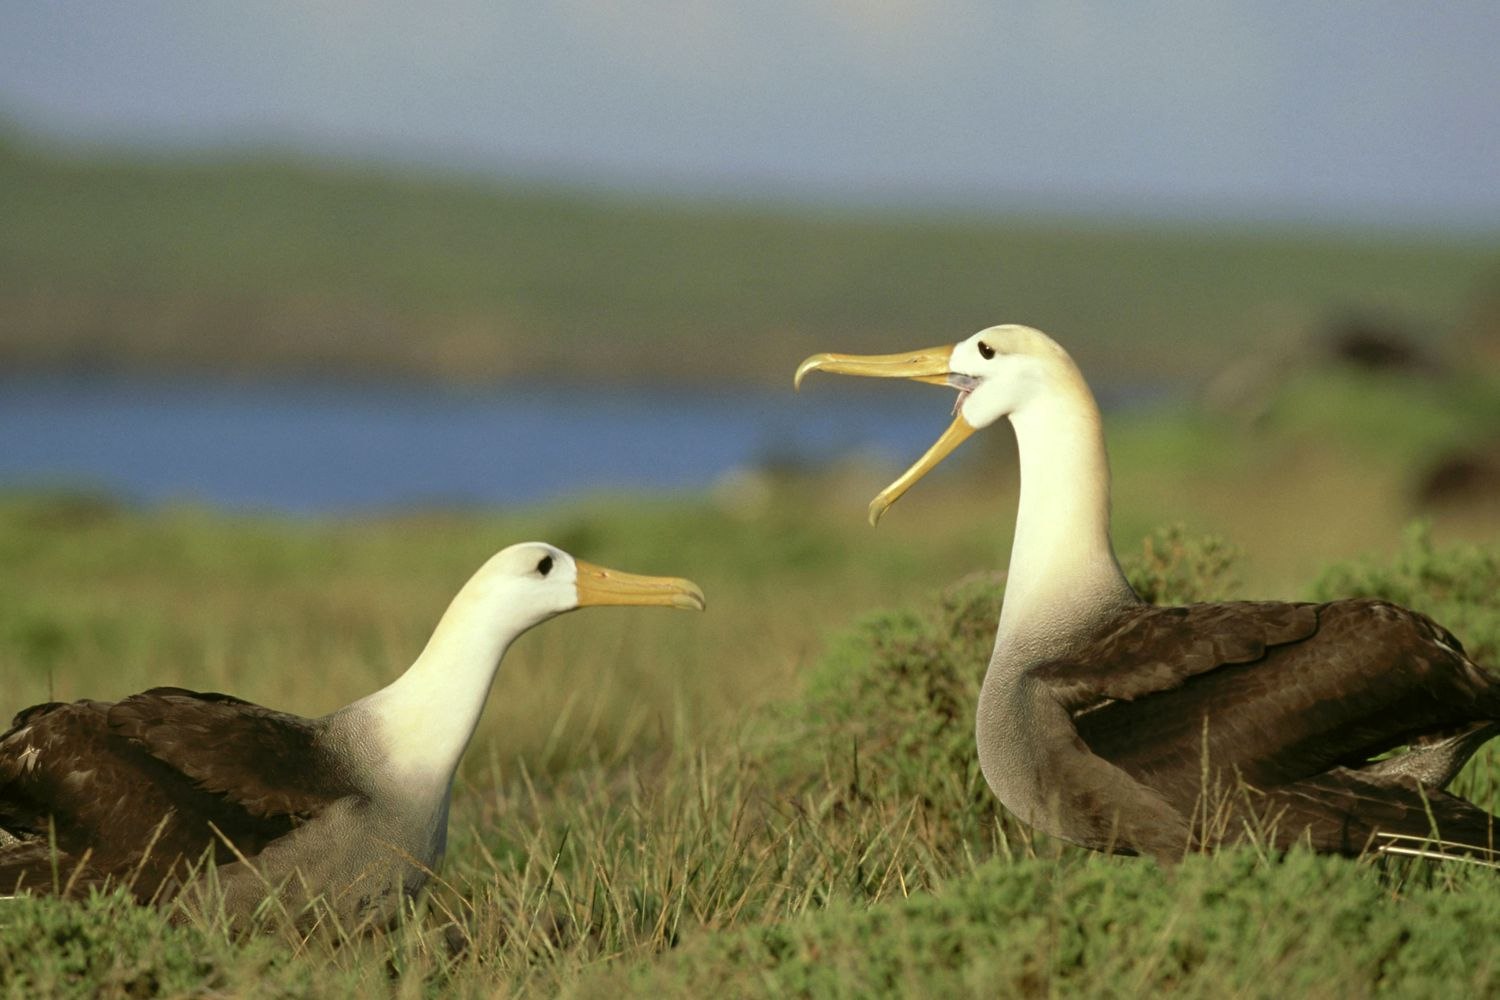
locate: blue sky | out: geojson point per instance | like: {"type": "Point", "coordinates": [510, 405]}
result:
{"type": "Point", "coordinates": [1344, 111]}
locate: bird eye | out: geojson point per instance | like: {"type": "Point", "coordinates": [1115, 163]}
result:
{"type": "Point", "coordinates": [545, 566]}
{"type": "Point", "coordinates": [986, 351]}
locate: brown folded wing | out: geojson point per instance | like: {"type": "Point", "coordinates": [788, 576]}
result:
{"type": "Point", "coordinates": [132, 791]}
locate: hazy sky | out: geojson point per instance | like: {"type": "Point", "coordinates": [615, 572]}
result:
{"type": "Point", "coordinates": [1369, 111]}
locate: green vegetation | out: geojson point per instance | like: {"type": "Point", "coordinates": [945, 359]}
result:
{"type": "Point", "coordinates": [1230, 925]}
{"type": "Point", "coordinates": [780, 796]}
{"type": "Point", "coordinates": [258, 265]}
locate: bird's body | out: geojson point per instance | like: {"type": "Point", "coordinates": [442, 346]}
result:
{"type": "Point", "coordinates": [1170, 726]}
{"type": "Point", "coordinates": [350, 810]}
{"type": "Point", "coordinates": [135, 791]}
{"type": "Point", "coordinates": [1123, 726]}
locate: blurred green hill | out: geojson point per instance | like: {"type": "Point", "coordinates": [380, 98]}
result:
{"type": "Point", "coordinates": [254, 265]}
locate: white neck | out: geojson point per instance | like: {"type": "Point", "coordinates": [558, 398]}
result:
{"type": "Point", "coordinates": [1063, 573]}
{"type": "Point", "coordinates": [426, 717]}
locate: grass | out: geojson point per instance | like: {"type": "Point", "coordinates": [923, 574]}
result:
{"type": "Point", "coordinates": [779, 796]}
{"type": "Point", "coordinates": [1229, 925]}
{"type": "Point", "coordinates": [255, 265]}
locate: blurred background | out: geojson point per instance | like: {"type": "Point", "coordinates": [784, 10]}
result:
{"type": "Point", "coordinates": [353, 256]}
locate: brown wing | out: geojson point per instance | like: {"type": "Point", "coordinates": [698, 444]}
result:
{"type": "Point", "coordinates": [1344, 812]}
{"type": "Point", "coordinates": [1371, 677]}
{"type": "Point", "coordinates": [129, 791]}
{"type": "Point", "coordinates": [58, 760]}
{"type": "Point", "coordinates": [80, 805]}
{"type": "Point", "coordinates": [270, 763]}
{"type": "Point", "coordinates": [1149, 649]}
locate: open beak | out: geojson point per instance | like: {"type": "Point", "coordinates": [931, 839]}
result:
{"type": "Point", "coordinates": [597, 585]}
{"type": "Point", "coordinates": [929, 365]}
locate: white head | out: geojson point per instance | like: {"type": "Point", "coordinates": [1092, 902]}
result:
{"type": "Point", "coordinates": [998, 372]}
{"type": "Point", "coordinates": [533, 581]}
{"type": "Point", "coordinates": [427, 715]}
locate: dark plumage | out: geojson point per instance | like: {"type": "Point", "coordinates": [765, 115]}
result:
{"type": "Point", "coordinates": [133, 791]}
{"type": "Point", "coordinates": [1295, 701]}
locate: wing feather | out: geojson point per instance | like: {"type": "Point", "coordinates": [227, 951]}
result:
{"type": "Point", "coordinates": [1346, 812]}
{"type": "Point", "coordinates": [270, 763]}
{"type": "Point", "coordinates": [71, 790]}
{"type": "Point", "coordinates": [1151, 649]}
{"type": "Point", "coordinates": [1274, 695]}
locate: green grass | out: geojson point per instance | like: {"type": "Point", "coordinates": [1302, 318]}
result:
{"type": "Point", "coordinates": [779, 796]}
{"type": "Point", "coordinates": [1230, 925]}
{"type": "Point", "coordinates": [836, 842]}
{"type": "Point", "coordinates": [261, 265]}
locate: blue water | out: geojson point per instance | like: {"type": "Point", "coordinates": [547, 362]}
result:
{"type": "Point", "coordinates": [312, 448]}
{"type": "Point", "coordinates": [309, 448]}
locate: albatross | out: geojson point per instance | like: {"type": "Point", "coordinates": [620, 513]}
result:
{"type": "Point", "coordinates": [350, 809]}
{"type": "Point", "coordinates": [1139, 729]}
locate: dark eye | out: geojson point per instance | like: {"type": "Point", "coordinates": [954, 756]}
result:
{"type": "Point", "coordinates": [545, 566]}
{"type": "Point", "coordinates": [986, 351]}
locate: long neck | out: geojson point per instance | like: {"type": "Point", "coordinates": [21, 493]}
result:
{"type": "Point", "coordinates": [426, 717]}
{"type": "Point", "coordinates": [1063, 574]}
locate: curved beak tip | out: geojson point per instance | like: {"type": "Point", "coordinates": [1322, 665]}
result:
{"type": "Point", "coordinates": [811, 364]}
{"type": "Point", "coordinates": [691, 599]}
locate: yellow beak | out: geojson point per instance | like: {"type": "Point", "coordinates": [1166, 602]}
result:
{"type": "Point", "coordinates": [597, 585]}
{"type": "Point", "coordinates": [955, 435]}
{"type": "Point", "coordinates": [929, 365]}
